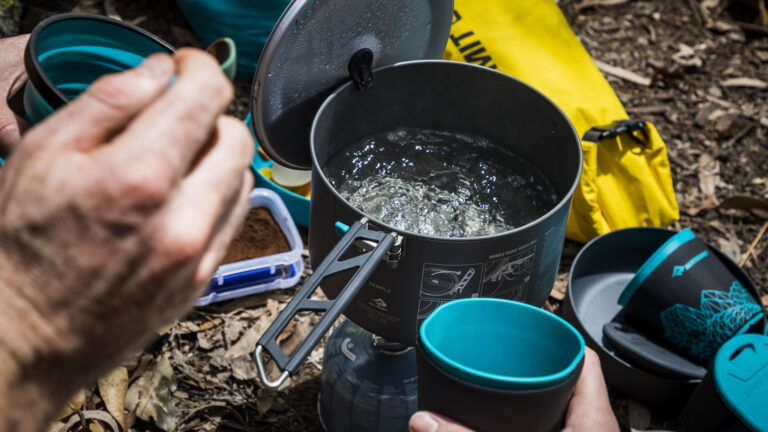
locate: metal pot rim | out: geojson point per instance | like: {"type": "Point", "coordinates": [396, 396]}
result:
{"type": "Point", "coordinates": [562, 202]}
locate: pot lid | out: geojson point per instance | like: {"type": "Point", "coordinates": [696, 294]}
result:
{"type": "Point", "coordinates": [316, 46]}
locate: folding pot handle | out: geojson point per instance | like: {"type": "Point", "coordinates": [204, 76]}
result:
{"type": "Point", "coordinates": [365, 264]}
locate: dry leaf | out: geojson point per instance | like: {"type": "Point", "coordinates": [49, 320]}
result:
{"type": "Point", "coordinates": [744, 82]}
{"type": "Point", "coordinates": [94, 415]}
{"type": "Point", "coordinates": [110, 11]}
{"type": "Point", "coordinates": [232, 329]}
{"type": "Point", "coordinates": [246, 345]}
{"type": "Point", "coordinates": [112, 389]}
{"type": "Point", "coordinates": [208, 339]}
{"type": "Point", "coordinates": [561, 285]}
{"type": "Point", "coordinates": [210, 324]}
{"type": "Point", "coordinates": [74, 404]}
{"type": "Point", "coordinates": [264, 400]}
{"type": "Point", "coordinates": [301, 329]}
{"type": "Point", "coordinates": [590, 3]}
{"type": "Point", "coordinates": [150, 396]}
{"type": "Point", "coordinates": [686, 56]}
{"type": "Point", "coordinates": [95, 427]}
{"type": "Point", "coordinates": [731, 247]}
{"type": "Point", "coordinates": [243, 368]}
{"type": "Point", "coordinates": [709, 176]}
{"type": "Point", "coordinates": [706, 205]}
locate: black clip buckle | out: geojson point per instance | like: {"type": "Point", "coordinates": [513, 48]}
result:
{"type": "Point", "coordinates": [634, 128]}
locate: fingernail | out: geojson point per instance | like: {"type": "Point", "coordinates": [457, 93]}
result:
{"type": "Point", "coordinates": [156, 66]}
{"type": "Point", "coordinates": [423, 422]}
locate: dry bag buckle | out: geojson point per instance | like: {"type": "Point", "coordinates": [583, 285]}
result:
{"type": "Point", "coordinates": [634, 128]}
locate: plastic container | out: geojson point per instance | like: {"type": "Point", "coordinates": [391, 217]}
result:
{"type": "Point", "coordinates": [262, 274]}
{"type": "Point", "coordinates": [298, 205]}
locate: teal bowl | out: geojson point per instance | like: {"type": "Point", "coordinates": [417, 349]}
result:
{"type": "Point", "coordinates": [501, 344]}
{"type": "Point", "coordinates": [68, 52]}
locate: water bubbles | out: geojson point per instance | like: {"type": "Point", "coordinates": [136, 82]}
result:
{"type": "Point", "coordinates": [439, 183]}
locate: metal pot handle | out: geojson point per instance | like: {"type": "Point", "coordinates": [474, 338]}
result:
{"type": "Point", "coordinates": [365, 263]}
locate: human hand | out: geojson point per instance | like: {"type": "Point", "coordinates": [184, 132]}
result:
{"type": "Point", "coordinates": [589, 410]}
{"type": "Point", "coordinates": [13, 75]}
{"type": "Point", "coordinates": [114, 212]}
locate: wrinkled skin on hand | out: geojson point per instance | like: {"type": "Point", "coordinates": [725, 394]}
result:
{"type": "Point", "coordinates": [114, 212]}
{"type": "Point", "coordinates": [12, 78]}
{"type": "Point", "coordinates": [589, 410]}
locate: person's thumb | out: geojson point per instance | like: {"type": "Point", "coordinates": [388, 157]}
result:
{"type": "Point", "coordinates": [424, 421]}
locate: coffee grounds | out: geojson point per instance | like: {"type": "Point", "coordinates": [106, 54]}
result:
{"type": "Point", "coordinates": [259, 237]}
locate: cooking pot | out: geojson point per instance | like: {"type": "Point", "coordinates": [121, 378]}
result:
{"type": "Point", "coordinates": [333, 94]}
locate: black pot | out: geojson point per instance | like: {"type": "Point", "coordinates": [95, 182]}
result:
{"type": "Point", "coordinates": [472, 99]}
{"type": "Point", "coordinates": [389, 298]}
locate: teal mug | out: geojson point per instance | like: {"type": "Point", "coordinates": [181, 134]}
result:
{"type": "Point", "coordinates": [498, 365]}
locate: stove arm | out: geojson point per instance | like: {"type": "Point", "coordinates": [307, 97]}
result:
{"type": "Point", "coordinates": [365, 263]}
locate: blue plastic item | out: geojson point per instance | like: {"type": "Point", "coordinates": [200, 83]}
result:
{"type": "Point", "coordinates": [741, 378]}
{"type": "Point", "coordinates": [262, 274]}
{"type": "Point", "coordinates": [66, 53]}
{"type": "Point", "coordinates": [653, 262]}
{"type": "Point", "coordinates": [298, 205]}
{"type": "Point", "coordinates": [501, 343]}
{"type": "Point", "coordinates": [247, 22]}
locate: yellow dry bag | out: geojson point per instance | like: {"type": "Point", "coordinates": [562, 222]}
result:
{"type": "Point", "coordinates": [626, 180]}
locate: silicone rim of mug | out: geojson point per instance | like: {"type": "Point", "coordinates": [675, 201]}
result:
{"type": "Point", "coordinates": [504, 382]}
{"type": "Point", "coordinates": [732, 388]}
{"type": "Point", "coordinates": [654, 261]}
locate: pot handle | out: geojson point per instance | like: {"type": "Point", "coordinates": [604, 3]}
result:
{"type": "Point", "coordinates": [365, 263]}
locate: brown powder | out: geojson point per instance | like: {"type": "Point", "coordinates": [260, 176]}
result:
{"type": "Point", "coordinates": [260, 236]}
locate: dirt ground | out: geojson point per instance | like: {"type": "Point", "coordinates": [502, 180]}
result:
{"type": "Point", "coordinates": [702, 59]}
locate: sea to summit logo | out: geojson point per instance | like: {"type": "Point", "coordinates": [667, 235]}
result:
{"type": "Point", "coordinates": [380, 303]}
{"type": "Point", "coordinates": [679, 270]}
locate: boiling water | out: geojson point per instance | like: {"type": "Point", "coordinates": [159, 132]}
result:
{"type": "Point", "coordinates": [440, 183]}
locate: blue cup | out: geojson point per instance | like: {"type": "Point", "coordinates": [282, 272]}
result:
{"type": "Point", "coordinates": [68, 52]}
{"type": "Point", "coordinates": [495, 364]}
{"type": "Point", "coordinates": [685, 296]}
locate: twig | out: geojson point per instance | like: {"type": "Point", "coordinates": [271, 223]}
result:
{"type": "Point", "coordinates": [751, 248]}
{"type": "Point", "coordinates": [739, 135]}
{"type": "Point", "coordinates": [623, 74]}
{"type": "Point", "coordinates": [110, 11]}
{"type": "Point", "coordinates": [696, 12]}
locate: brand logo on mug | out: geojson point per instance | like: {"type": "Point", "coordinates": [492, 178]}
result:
{"type": "Point", "coordinates": [679, 270]}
